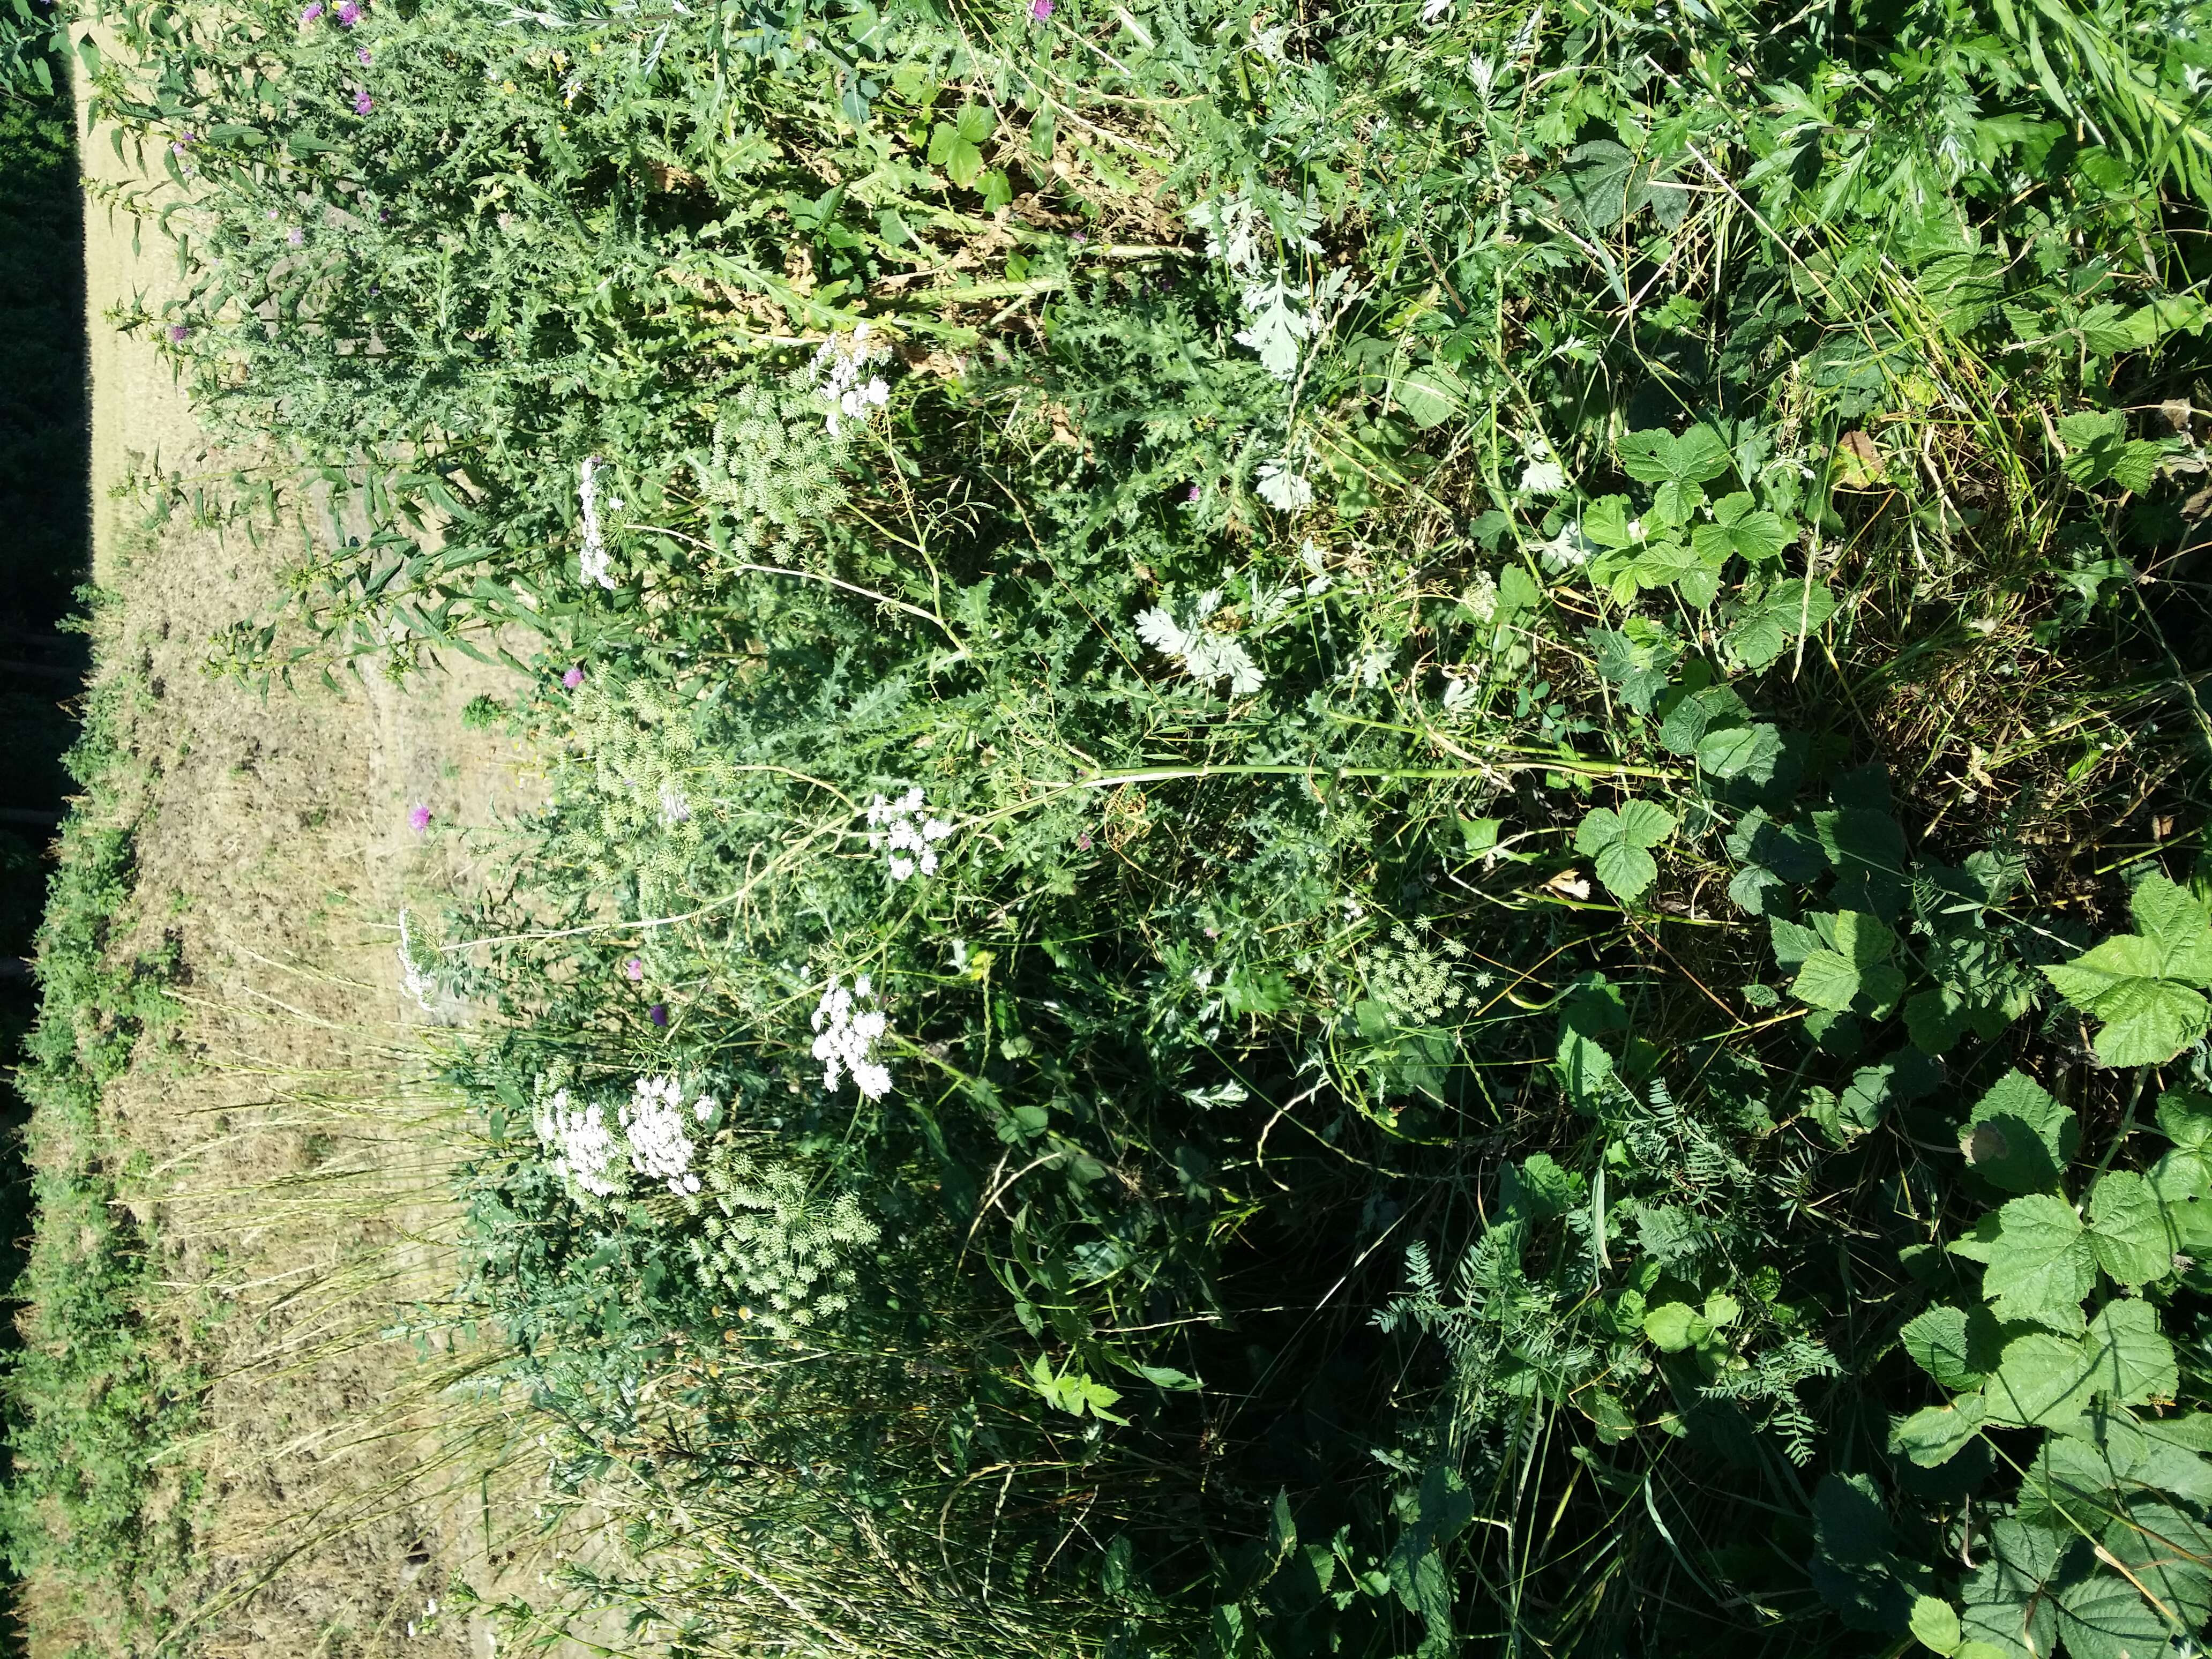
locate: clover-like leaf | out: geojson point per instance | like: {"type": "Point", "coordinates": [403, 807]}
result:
{"type": "Point", "coordinates": [958, 145]}
{"type": "Point", "coordinates": [1755, 537]}
{"type": "Point", "coordinates": [1619, 843]}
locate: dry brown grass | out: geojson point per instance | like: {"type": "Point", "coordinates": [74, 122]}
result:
{"type": "Point", "coordinates": [285, 1147]}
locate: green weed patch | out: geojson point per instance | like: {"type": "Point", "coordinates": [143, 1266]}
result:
{"type": "Point", "coordinates": [93, 1397]}
{"type": "Point", "coordinates": [1369, 833]}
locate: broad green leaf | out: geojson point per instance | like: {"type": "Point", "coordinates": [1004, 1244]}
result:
{"type": "Point", "coordinates": [1938, 1340]}
{"type": "Point", "coordinates": [1430, 394]}
{"type": "Point", "coordinates": [2042, 1382]}
{"type": "Point", "coordinates": [1625, 870]}
{"type": "Point", "coordinates": [1826, 981]}
{"type": "Point", "coordinates": [1771, 622]}
{"type": "Point", "coordinates": [2167, 1551]}
{"type": "Point", "coordinates": [2104, 1617]}
{"type": "Point", "coordinates": [2018, 1137]}
{"type": "Point", "coordinates": [2182, 1183]}
{"type": "Point", "coordinates": [1675, 1325]}
{"type": "Point", "coordinates": [2129, 1359]}
{"type": "Point", "coordinates": [1934, 1624]}
{"type": "Point", "coordinates": [2185, 1117]}
{"type": "Point", "coordinates": [2004, 1601]}
{"type": "Point", "coordinates": [2043, 1265]}
{"type": "Point", "coordinates": [2178, 925]}
{"type": "Point", "coordinates": [2138, 984]}
{"type": "Point", "coordinates": [1655, 456]}
{"type": "Point", "coordinates": [1735, 750]}
{"type": "Point", "coordinates": [1756, 538]}
{"type": "Point", "coordinates": [2128, 1230]}
{"type": "Point", "coordinates": [1615, 841]}
{"type": "Point", "coordinates": [1933, 1435]}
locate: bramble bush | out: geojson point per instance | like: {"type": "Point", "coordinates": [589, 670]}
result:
{"type": "Point", "coordinates": [1415, 787]}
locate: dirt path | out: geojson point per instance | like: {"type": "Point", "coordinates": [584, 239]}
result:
{"type": "Point", "coordinates": [293, 1177]}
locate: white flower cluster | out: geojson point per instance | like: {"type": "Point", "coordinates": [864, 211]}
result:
{"type": "Point", "coordinates": [588, 1154]}
{"type": "Point", "coordinates": [900, 824]}
{"type": "Point", "coordinates": [848, 1038]}
{"type": "Point", "coordinates": [837, 372]}
{"type": "Point", "coordinates": [652, 1121]}
{"type": "Point", "coordinates": [592, 564]}
{"type": "Point", "coordinates": [650, 1133]}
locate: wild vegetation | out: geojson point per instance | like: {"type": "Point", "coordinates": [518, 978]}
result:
{"type": "Point", "coordinates": [1370, 832]}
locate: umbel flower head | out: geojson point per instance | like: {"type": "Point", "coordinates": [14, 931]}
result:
{"type": "Point", "coordinates": [656, 1125]}
{"type": "Point", "coordinates": [652, 1132]}
{"type": "Point", "coordinates": [836, 371]}
{"type": "Point", "coordinates": [849, 1035]}
{"type": "Point", "coordinates": [912, 837]}
{"type": "Point", "coordinates": [587, 1153]}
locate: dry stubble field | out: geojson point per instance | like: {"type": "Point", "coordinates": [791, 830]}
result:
{"type": "Point", "coordinates": [289, 1163]}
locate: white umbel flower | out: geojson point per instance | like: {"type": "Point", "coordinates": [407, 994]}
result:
{"type": "Point", "coordinates": [588, 1154]}
{"type": "Point", "coordinates": [653, 1123]}
{"type": "Point", "coordinates": [837, 373]}
{"type": "Point", "coordinates": [904, 826]}
{"type": "Point", "coordinates": [847, 1035]}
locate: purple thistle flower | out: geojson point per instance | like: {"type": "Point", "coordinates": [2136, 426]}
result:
{"type": "Point", "coordinates": [178, 332]}
{"type": "Point", "coordinates": [1083, 841]}
{"type": "Point", "coordinates": [348, 14]}
{"type": "Point", "coordinates": [1194, 493]}
{"type": "Point", "coordinates": [634, 967]}
{"type": "Point", "coordinates": [363, 103]}
{"type": "Point", "coordinates": [574, 678]}
{"type": "Point", "coordinates": [295, 236]}
{"type": "Point", "coordinates": [314, 11]}
{"type": "Point", "coordinates": [659, 1014]}
{"type": "Point", "coordinates": [418, 818]}
{"type": "Point", "coordinates": [1040, 10]}
{"type": "Point", "coordinates": [362, 52]}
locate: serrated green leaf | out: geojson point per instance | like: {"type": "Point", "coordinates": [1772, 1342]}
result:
{"type": "Point", "coordinates": [1937, 1340]}
{"type": "Point", "coordinates": [2004, 1601]}
{"type": "Point", "coordinates": [1827, 979]}
{"type": "Point", "coordinates": [1659, 457]}
{"type": "Point", "coordinates": [1934, 1624]}
{"type": "Point", "coordinates": [1740, 751]}
{"type": "Point", "coordinates": [2128, 1230]}
{"type": "Point", "coordinates": [2103, 1616]}
{"type": "Point", "coordinates": [1933, 1435]}
{"type": "Point", "coordinates": [2042, 1382]}
{"type": "Point", "coordinates": [2018, 1137]}
{"type": "Point", "coordinates": [2043, 1265]}
{"type": "Point", "coordinates": [2128, 1358]}
{"type": "Point", "coordinates": [1675, 1325]}
{"type": "Point", "coordinates": [1625, 870]}
{"type": "Point", "coordinates": [2167, 1551]}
